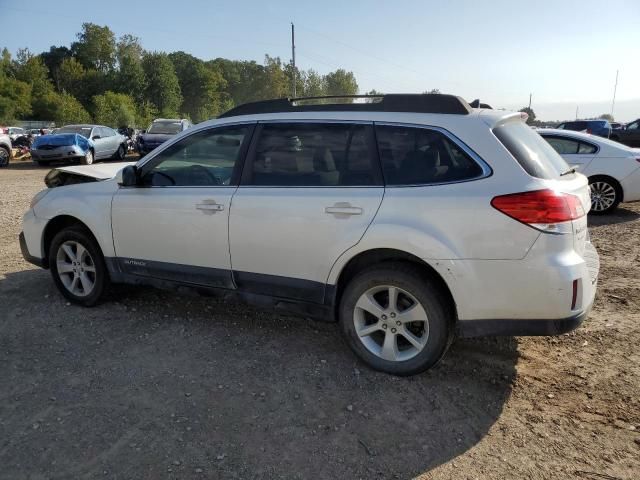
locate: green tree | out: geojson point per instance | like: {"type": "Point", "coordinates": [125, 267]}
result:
{"type": "Point", "coordinates": [32, 70]}
{"type": "Point", "coordinates": [95, 48]}
{"type": "Point", "coordinates": [53, 59]}
{"type": "Point", "coordinates": [62, 108]}
{"type": "Point", "coordinates": [163, 88]}
{"type": "Point", "coordinates": [314, 84]}
{"type": "Point", "coordinates": [201, 86]}
{"type": "Point", "coordinates": [15, 99]}
{"type": "Point", "coordinates": [71, 77]}
{"type": "Point", "coordinates": [531, 115]}
{"type": "Point", "coordinates": [114, 109]}
{"type": "Point", "coordinates": [341, 82]}
{"type": "Point", "coordinates": [606, 116]}
{"type": "Point", "coordinates": [432, 91]}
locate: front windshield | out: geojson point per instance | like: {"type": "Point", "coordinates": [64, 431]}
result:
{"type": "Point", "coordinates": [84, 131]}
{"type": "Point", "coordinates": [166, 128]}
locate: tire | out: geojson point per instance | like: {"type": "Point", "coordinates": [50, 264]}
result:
{"type": "Point", "coordinates": [606, 195]}
{"type": "Point", "coordinates": [432, 327]}
{"type": "Point", "coordinates": [121, 152]}
{"type": "Point", "coordinates": [5, 155]}
{"type": "Point", "coordinates": [64, 250]}
{"type": "Point", "coordinates": [88, 158]}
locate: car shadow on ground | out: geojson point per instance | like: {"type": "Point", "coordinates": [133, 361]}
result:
{"type": "Point", "coordinates": [619, 215]}
{"type": "Point", "coordinates": [152, 384]}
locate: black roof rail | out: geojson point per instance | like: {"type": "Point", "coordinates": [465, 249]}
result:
{"type": "Point", "coordinates": [395, 102]}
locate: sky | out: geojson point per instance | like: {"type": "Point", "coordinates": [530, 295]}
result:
{"type": "Point", "coordinates": [565, 53]}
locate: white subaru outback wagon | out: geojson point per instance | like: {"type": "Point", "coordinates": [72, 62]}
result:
{"type": "Point", "coordinates": [409, 219]}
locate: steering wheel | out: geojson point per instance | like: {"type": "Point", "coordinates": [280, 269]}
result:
{"type": "Point", "coordinates": [200, 170]}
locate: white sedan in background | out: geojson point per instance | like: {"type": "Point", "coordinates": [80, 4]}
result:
{"type": "Point", "coordinates": [613, 169]}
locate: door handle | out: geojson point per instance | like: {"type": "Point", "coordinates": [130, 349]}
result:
{"type": "Point", "coordinates": [343, 209]}
{"type": "Point", "coordinates": [210, 206]}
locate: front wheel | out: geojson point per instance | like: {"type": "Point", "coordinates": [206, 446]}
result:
{"type": "Point", "coordinates": [88, 158]}
{"type": "Point", "coordinates": [77, 266]}
{"type": "Point", "coordinates": [120, 154]}
{"type": "Point", "coordinates": [605, 195]}
{"type": "Point", "coordinates": [395, 319]}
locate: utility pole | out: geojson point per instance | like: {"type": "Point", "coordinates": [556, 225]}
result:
{"type": "Point", "coordinates": [615, 87]}
{"type": "Point", "coordinates": [577, 106]}
{"type": "Point", "coordinates": [293, 56]}
{"type": "Point", "coordinates": [530, 101]}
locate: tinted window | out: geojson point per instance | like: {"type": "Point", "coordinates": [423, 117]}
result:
{"type": "Point", "coordinates": [633, 126]}
{"type": "Point", "coordinates": [313, 155]}
{"type": "Point", "coordinates": [418, 156]}
{"type": "Point", "coordinates": [530, 150]}
{"type": "Point", "coordinates": [84, 131]}
{"type": "Point", "coordinates": [165, 127]}
{"type": "Point", "coordinates": [563, 145]}
{"type": "Point", "coordinates": [205, 158]}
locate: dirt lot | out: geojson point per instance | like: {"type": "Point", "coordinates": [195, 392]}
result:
{"type": "Point", "coordinates": [154, 385]}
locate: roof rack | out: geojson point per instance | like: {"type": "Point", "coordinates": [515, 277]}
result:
{"type": "Point", "coordinates": [396, 102]}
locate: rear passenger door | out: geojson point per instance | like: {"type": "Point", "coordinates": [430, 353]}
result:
{"type": "Point", "coordinates": [309, 190]}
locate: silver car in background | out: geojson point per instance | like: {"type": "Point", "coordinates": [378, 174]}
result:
{"type": "Point", "coordinates": [101, 143]}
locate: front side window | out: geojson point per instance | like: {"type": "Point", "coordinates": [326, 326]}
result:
{"type": "Point", "coordinates": [418, 156]}
{"type": "Point", "coordinates": [313, 155]}
{"type": "Point", "coordinates": [633, 126]}
{"type": "Point", "coordinates": [206, 158]}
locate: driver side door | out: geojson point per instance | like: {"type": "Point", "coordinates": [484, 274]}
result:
{"type": "Point", "coordinates": [174, 225]}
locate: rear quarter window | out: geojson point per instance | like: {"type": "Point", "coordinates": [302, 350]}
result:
{"type": "Point", "coordinates": [530, 150]}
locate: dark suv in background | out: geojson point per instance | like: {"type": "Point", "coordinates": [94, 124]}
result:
{"type": "Point", "coordinates": [160, 130]}
{"type": "Point", "coordinates": [629, 135]}
{"type": "Point", "coordinates": [601, 128]}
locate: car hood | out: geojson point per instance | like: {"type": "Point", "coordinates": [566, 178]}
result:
{"type": "Point", "coordinates": [61, 176]}
{"type": "Point", "coordinates": [157, 137]}
{"type": "Point", "coordinates": [61, 140]}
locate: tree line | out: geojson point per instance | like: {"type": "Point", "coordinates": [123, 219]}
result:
{"type": "Point", "coordinates": [114, 81]}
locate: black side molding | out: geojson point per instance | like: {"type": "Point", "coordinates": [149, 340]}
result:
{"type": "Point", "coordinates": [490, 328]}
{"type": "Point", "coordinates": [38, 262]}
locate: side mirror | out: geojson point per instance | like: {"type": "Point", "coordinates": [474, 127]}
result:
{"type": "Point", "coordinates": [128, 176]}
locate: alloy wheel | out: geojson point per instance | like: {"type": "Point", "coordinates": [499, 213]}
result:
{"type": "Point", "coordinates": [76, 268]}
{"type": "Point", "coordinates": [391, 323]}
{"type": "Point", "coordinates": [603, 196]}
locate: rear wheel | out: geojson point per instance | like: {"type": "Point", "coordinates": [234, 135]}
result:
{"type": "Point", "coordinates": [4, 157]}
{"type": "Point", "coordinates": [606, 194]}
{"type": "Point", "coordinates": [77, 266]}
{"type": "Point", "coordinates": [395, 319]}
{"type": "Point", "coordinates": [88, 158]}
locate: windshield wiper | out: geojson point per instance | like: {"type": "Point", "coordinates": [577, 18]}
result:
{"type": "Point", "coordinates": [571, 170]}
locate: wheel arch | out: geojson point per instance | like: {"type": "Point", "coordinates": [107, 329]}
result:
{"type": "Point", "coordinates": [616, 183]}
{"type": "Point", "coordinates": [375, 256]}
{"type": "Point", "coordinates": [57, 224]}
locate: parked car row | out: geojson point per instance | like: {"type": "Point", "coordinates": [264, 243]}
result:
{"type": "Point", "coordinates": [628, 134]}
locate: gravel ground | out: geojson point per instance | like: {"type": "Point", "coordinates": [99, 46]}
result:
{"type": "Point", "coordinates": [155, 385]}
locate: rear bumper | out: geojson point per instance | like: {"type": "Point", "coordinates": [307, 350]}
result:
{"type": "Point", "coordinates": [39, 262]}
{"type": "Point", "coordinates": [489, 328]}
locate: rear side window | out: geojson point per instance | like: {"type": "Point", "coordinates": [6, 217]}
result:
{"type": "Point", "coordinates": [530, 150]}
{"type": "Point", "coordinates": [313, 155]}
{"type": "Point", "coordinates": [420, 156]}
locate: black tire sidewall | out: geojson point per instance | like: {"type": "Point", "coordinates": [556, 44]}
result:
{"type": "Point", "coordinates": [411, 280]}
{"type": "Point", "coordinates": [102, 276]}
{"type": "Point", "coordinates": [617, 189]}
{"type": "Point", "coordinates": [5, 157]}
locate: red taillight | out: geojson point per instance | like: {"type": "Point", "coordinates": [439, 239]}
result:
{"type": "Point", "coordinates": [540, 206]}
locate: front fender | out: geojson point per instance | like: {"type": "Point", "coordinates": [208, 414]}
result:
{"type": "Point", "coordinates": [90, 203]}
